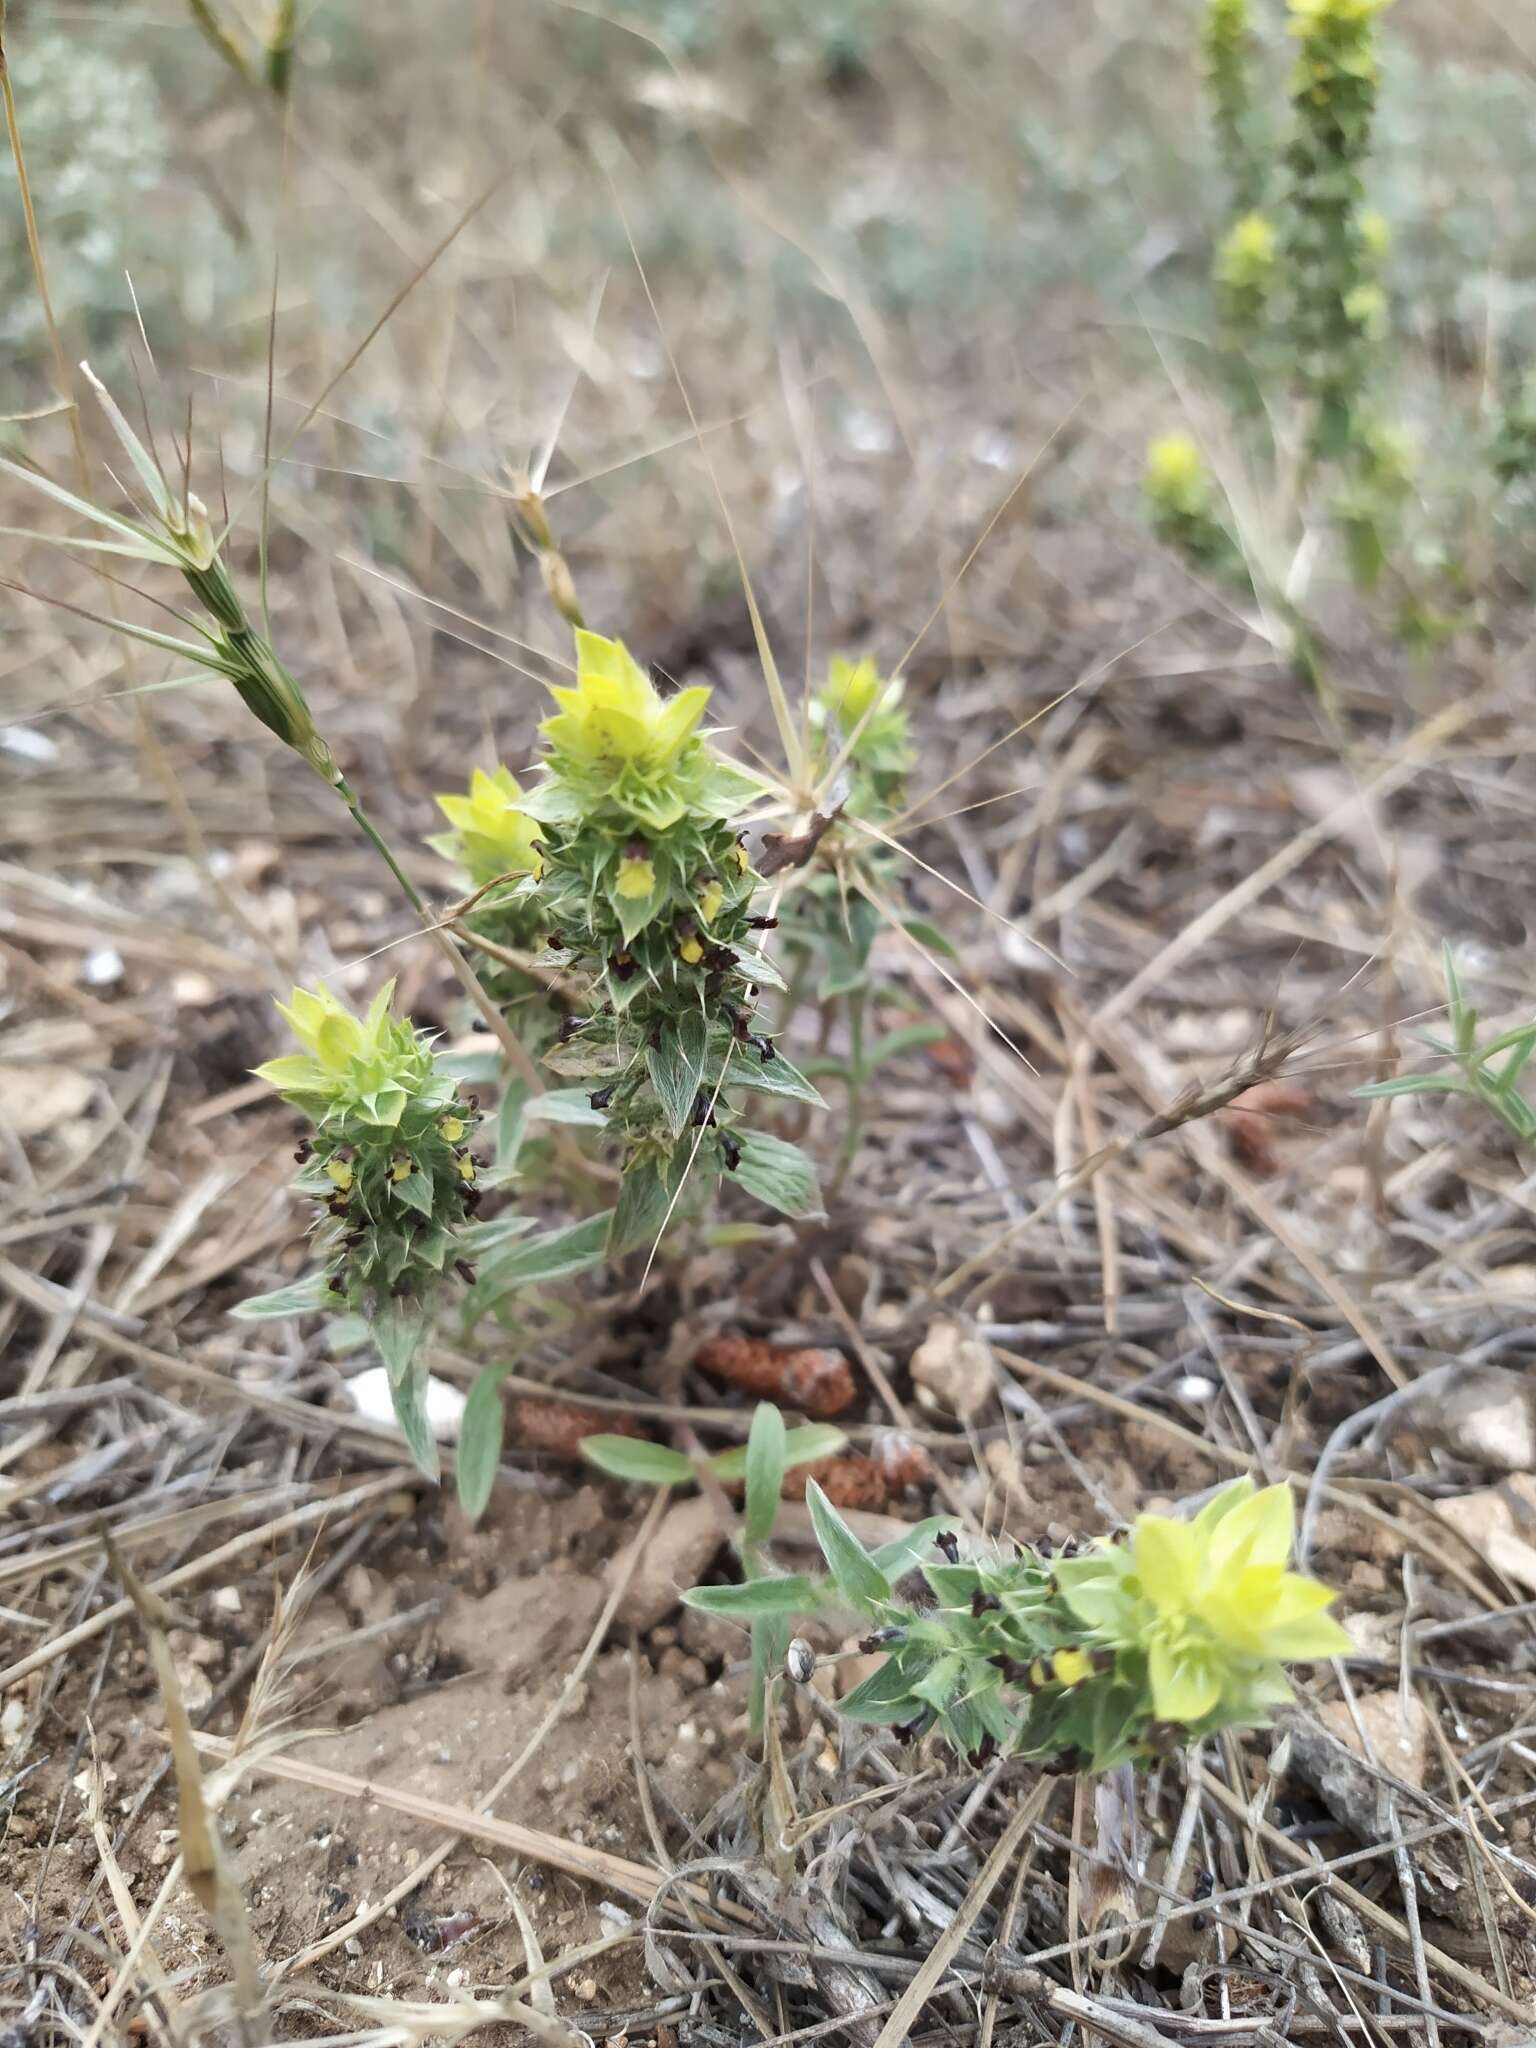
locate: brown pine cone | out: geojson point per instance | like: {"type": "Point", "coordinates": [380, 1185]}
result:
{"type": "Point", "coordinates": [817, 1382]}
{"type": "Point", "coordinates": [559, 1426]}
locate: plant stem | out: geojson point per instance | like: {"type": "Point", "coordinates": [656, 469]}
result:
{"type": "Point", "coordinates": [853, 1137]}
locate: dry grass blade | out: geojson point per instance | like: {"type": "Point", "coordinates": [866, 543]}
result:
{"type": "Point", "coordinates": [208, 1866]}
{"type": "Point", "coordinates": [898, 2027]}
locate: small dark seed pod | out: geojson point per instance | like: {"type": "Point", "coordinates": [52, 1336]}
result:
{"type": "Point", "coordinates": [947, 1542]}
{"type": "Point", "coordinates": [601, 1097]}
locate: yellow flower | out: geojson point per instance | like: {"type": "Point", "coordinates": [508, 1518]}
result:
{"type": "Point", "coordinates": [452, 1128]}
{"type": "Point", "coordinates": [1246, 258]}
{"type": "Point", "coordinates": [691, 951]}
{"type": "Point", "coordinates": [400, 1167]}
{"type": "Point", "coordinates": [637, 876]}
{"type": "Point", "coordinates": [1210, 1603]}
{"type": "Point", "coordinates": [372, 1061]}
{"type": "Point", "coordinates": [1375, 233]}
{"type": "Point", "coordinates": [466, 1168]}
{"type": "Point", "coordinates": [852, 689]}
{"type": "Point", "coordinates": [613, 718]}
{"type": "Point", "coordinates": [1175, 469]}
{"type": "Point", "coordinates": [1366, 308]}
{"type": "Point", "coordinates": [495, 837]}
{"type": "Point", "coordinates": [340, 1173]}
{"type": "Point", "coordinates": [710, 899]}
{"type": "Point", "coordinates": [334, 1037]}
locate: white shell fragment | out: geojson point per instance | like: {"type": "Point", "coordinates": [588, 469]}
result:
{"type": "Point", "coordinates": [444, 1404]}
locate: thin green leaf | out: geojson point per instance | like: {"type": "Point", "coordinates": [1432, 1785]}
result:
{"type": "Point", "coordinates": [630, 1457]}
{"type": "Point", "coordinates": [765, 1474]}
{"type": "Point", "coordinates": [480, 1435]}
{"type": "Point", "coordinates": [897, 1558]}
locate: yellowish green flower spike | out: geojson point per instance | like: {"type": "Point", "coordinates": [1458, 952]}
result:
{"type": "Point", "coordinates": [1333, 245]}
{"type": "Point", "coordinates": [387, 1160]}
{"type": "Point", "coordinates": [1227, 49]}
{"type": "Point", "coordinates": [1080, 1662]}
{"type": "Point", "coordinates": [645, 891]}
{"type": "Point", "coordinates": [1210, 1605]}
{"type": "Point", "coordinates": [498, 845]}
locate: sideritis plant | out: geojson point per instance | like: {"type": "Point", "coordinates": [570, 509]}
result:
{"type": "Point", "coordinates": [389, 1167]}
{"type": "Point", "coordinates": [645, 898]}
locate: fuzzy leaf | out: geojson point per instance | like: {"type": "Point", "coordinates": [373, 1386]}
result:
{"type": "Point", "coordinates": [858, 1578]}
{"type": "Point", "coordinates": [555, 1255]}
{"type": "Point", "coordinates": [398, 1336]}
{"type": "Point", "coordinates": [777, 1076]}
{"type": "Point", "coordinates": [416, 1192]}
{"type": "Point", "coordinates": [480, 1434]}
{"type": "Point", "coordinates": [564, 1106]}
{"type": "Point", "coordinates": [884, 1699]}
{"type": "Point", "coordinates": [629, 1457]}
{"type": "Point", "coordinates": [765, 1474]}
{"type": "Point", "coordinates": [779, 1174]}
{"type": "Point", "coordinates": [796, 1595]}
{"type": "Point", "coordinates": [676, 1068]}
{"type": "Point", "coordinates": [299, 1298]}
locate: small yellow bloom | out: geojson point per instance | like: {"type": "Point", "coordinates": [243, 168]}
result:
{"type": "Point", "coordinates": [466, 1168]}
{"type": "Point", "coordinates": [637, 877]}
{"type": "Point", "coordinates": [400, 1168]}
{"type": "Point", "coordinates": [1070, 1667]}
{"type": "Point", "coordinates": [452, 1128]}
{"type": "Point", "coordinates": [710, 899]}
{"type": "Point", "coordinates": [1366, 307]}
{"type": "Point", "coordinates": [340, 1173]}
{"type": "Point", "coordinates": [1175, 468]}
{"type": "Point", "coordinates": [739, 855]}
{"type": "Point", "coordinates": [1376, 233]}
{"type": "Point", "coordinates": [1246, 259]}
{"type": "Point", "coordinates": [495, 837]}
{"type": "Point", "coordinates": [691, 951]}
{"type": "Point", "coordinates": [852, 689]}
